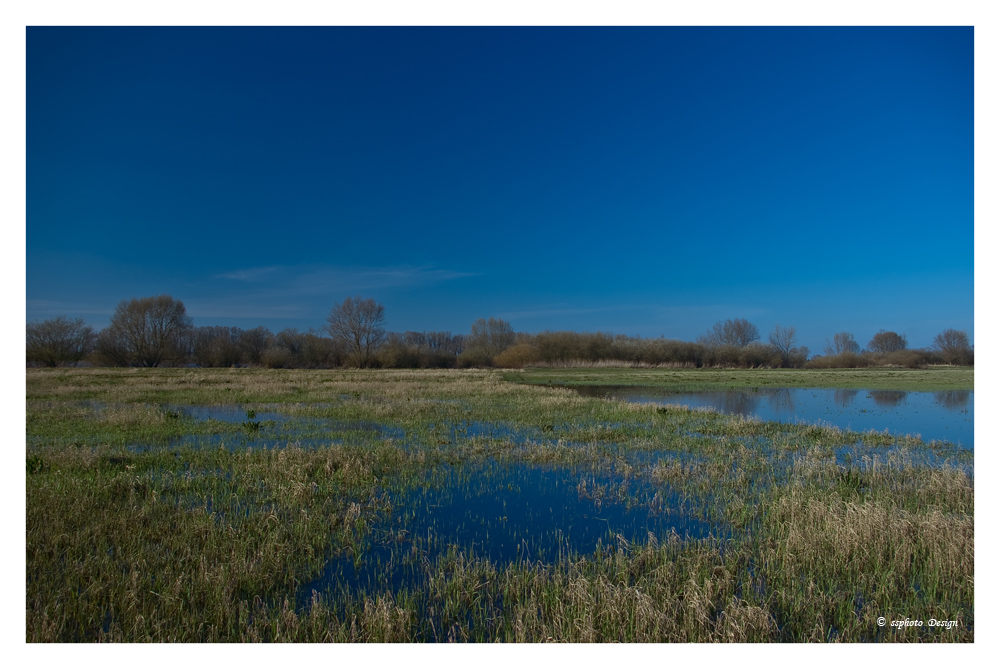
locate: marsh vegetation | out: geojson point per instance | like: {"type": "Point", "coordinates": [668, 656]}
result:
{"type": "Point", "coordinates": [376, 505]}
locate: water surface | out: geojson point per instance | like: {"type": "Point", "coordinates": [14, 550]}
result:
{"type": "Point", "coordinates": [940, 416]}
{"type": "Point", "coordinates": [507, 513]}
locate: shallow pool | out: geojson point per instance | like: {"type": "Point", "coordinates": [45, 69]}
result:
{"type": "Point", "coordinates": [941, 416]}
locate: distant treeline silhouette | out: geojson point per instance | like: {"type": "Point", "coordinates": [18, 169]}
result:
{"type": "Point", "coordinates": [156, 331]}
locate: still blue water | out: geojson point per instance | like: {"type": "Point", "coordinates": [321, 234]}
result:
{"type": "Point", "coordinates": [508, 513]}
{"type": "Point", "coordinates": [940, 416]}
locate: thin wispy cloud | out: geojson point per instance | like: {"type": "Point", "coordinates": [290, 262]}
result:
{"type": "Point", "coordinates": [325, 280]}
{"type": "Point", "coordinates": [251, 274]}
{"type": "Point", "coordinates": [297, 293]}
{"type": "Point", "coordinates": [351, 279]}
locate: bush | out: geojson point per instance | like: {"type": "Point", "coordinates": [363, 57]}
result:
{"type": "Point", "coordinates": [319, 352]}
{"type": "Point", "coordinates": [217, 346]}
{"type": "Point", "coordinates": [797, 357]}
{"type": "Point", "coordinates": [914, 359]}
{"type": "Point", "coordinates": [474, 357]}
{"type": "Point", "coordinates": [518, 355]}
{"type": "Point", "coordinates": [845, 360]}
{"type": "Point", "coordinates": [581, 348]}
{"type": "Point", "coordinates": [759, 355]}
{"type": "Point", "coordinates": [276, 357]}
{"type": "Point", "coordinates": [492, 337]}
{"type": "Point", "coordinates": [395, 355]}
{"type": "Point", "coordinates": [59, 341]}
{"type": "Point", "coordinates": [305, 350]}
{"type": "Point", "coordinates": [419, 350]}
{"type": "Point", "coordinates": [254, 342]}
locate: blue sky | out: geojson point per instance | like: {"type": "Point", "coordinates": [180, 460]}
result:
{"type": "Point", "coordinates": [645, 181]}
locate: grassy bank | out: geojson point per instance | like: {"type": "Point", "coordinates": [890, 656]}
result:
{"type": "Point", "coordinates": [316, 505]}
{"type": "Point", "coordinates": [930, 379]}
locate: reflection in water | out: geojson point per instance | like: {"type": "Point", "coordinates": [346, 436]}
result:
{"type": "Point", "coordinates": [780, 400]}
{"type": "Point", "coordinates": [888, 398]}
{"type": "Point", "coordinates": [740, 402]}
{"type": "Point", "coordinates": [844, 397]}
{"type": "Point", "coordinates": [943, 416]}
{"type": "Point", "coordinates": [507, 513]}
{"type": "Point", "coordinates": [953, 399]}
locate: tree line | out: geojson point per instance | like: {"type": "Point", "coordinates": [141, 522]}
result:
{"type": "Point", "coordinates": [155, 331]}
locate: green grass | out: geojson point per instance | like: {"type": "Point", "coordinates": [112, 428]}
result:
{"type": "Point", "coordinates": [817, 531]}
{"type": "Point", "coordinates": [930, 379]}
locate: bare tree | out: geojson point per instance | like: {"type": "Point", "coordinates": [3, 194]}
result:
{"type": "Point", "coordinates": [492, 337]}
{"type": "Point", "coordinates": [217, 346]}
{"type": "Point", "coordinates": [254, 343]}
{"type": "Point", "coordinates": [887, 341]}
{"type": "Point", "coordinates": [843, 342]}
{"type": "Point", "coordinates": [444, 342]}
{"type": "Point", "coordinates": [782, 339]}
{"type": "Point", "coordinates": [954, 346]}
{"type": "Point", "coordinates": [59, 341]}
{"type": "Point", "coordinates": [734, 332]}
{"type": "Point", "coordinates": [359, 324]}
{"type": "Point", "coordinates": [145, 332]}
{"type": "Point", "coordinates": [421, 349]}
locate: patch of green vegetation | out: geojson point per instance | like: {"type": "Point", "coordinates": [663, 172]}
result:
{"type": "Point", "coordinates": [134, 534]}
{"type": "Point", "coordinates": [687, 380]}
{"type": "Point", "coordinates": [57, 424]}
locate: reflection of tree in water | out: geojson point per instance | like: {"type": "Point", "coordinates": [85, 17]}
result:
{"type": "Point", "coordinates": [888, 398]}
{"type": "Point", "coordinates": [780, 399]}
{"type": "Point", "coordinates": [844, 396]}
{"type": "Point", "coordinates": [953, 399]}
{"type": "Point", "coordinates": [736, 401]}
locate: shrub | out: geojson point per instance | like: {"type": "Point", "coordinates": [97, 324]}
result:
{"type": "Point", "coordinates": [276, 357]}
{"type": "Point", "coordinates": [914, 359]}
{"type": "Point", "coordinates": [254, 342]}
{"type": "Point", "coordinates": [518, 355]}
{"type": "Point", "coordinates": [492, 337]}
{"type": "Point", "coordinates": [845, 360]}
{"type": "Point", "coordinates": [419, 350]}
{"type": "Point", "coordinates": [305, 350]}
{"type": "Point", "coordinates": [474, 357]}
{"type": "Point", "coordinates": [217, 346]}
{"type": "Point", "coordinates": [396, 355]}
{"type": "Point", "coordinates": [59, 341]}
{"type": "Point", "coordinates": [759, 355]}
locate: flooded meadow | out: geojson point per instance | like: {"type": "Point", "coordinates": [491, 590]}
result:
{"type": "Point", "coordinates": [946, 415]}
{"type": "Point", "coordinates": [245, 505]}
